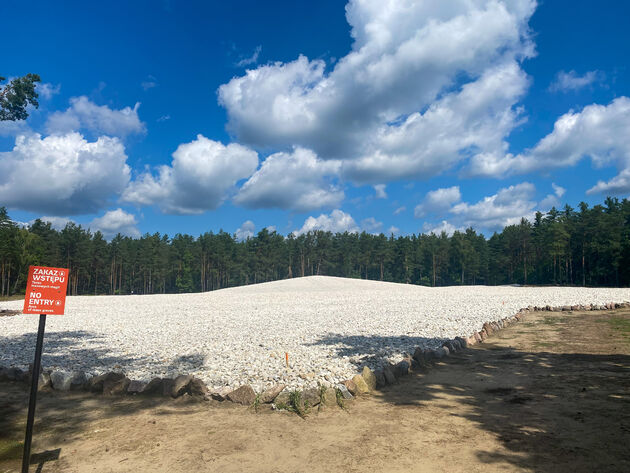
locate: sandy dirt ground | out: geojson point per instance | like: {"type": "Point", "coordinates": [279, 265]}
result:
{"type": "Point", "coordinates": [550, 394]}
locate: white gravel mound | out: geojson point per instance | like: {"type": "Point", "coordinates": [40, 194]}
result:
{"type": "Point", "coordinates": [329, 326]}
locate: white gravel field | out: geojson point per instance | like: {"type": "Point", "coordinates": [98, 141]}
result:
{"type": "Point", "coordinates": [329, 326]}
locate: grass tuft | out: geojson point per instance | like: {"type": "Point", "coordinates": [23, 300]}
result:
{"type": "Point", "coordinates": [257, 402]}
{"type": "Point", "coordinates": [10, 449]}
{"type": "Point", "coordinates": [340, 400]}
{"type": "Point", "coordinates": [322, 395]}
{"type": "Point", "coordinates": [297, 405]}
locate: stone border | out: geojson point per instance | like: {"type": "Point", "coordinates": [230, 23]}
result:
{"type": "Point", "coordinates": [116, 383]}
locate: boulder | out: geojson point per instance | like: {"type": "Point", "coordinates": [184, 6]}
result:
{"type": "Point", "coordinates": [329, 397]}
{"type": "Point", "coordinates": [450, 346]}
{"type": "Point", "coordinates": [114, 387]}
{"type": "Point", "coordinates": [220, 394]}
{"type": "Point", "coordinates": [311, 397]}
{"type": "Point", "coordinates": [463, 342]}
{"type": "Point", "coordinates": [180, 385]}
{"type": "Point", "coordinates": [344, 391]}
{"type": "Point", "coordinates": [269, 395]}
{"type": "Point", "coordinates": [360, 383]}
{"type": "Point", "coordinates": [351, 386]}
{"type": "Point", "coordinates": [136, 387]}
{"type": "Point", "coordinates": [282, 399]}
{"type": "Point", "coordinates": [429, 354]}
{"type": "Point", "coordinates": [440, 353]}
{"type": "Point", "coordinates": [97, 383]}
{"type": "Point", "coordinates": [11, 374]}
{"type": "Point", "coordinates": [413, 364]}
{"type": "Point", "coordinates": [488, 328]}
{"type": "Point", "coordinates": [369, 377]}
{"type": "Point", "coordinates": [197, 387]}
{"type": "Point", "coordinates": [44, 381]}
{"type": "Point", "coordinates": [167, 387]}
{"type": "Point", "coordinates": [78, 381]}
{"type": "Point", "coordinates": [380, 378]}
{"type": "Point", "coordinates": [154, 387]}
{"type": "Point", "coordinates": [67, 380]}
{"type": "Point", "coordinates": [244, 395]}
{"type": "Point", "coordinates": [389, 375]}
{"type": "Point", "coordinates": [418, 355]}
{"type": "Point", "coordinates": [401, 368]}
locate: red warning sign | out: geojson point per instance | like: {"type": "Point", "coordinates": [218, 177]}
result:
{"type": "Point", "coordinates": [46, 290]}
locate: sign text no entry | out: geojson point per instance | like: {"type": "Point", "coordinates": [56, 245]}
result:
{"type": "Point", "coordinates": [46, 290]}
{"type": "Point", "coordinates": [45, 294]}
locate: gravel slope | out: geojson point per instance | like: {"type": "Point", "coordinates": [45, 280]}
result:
{"type": "Point", "coordinates": [329, 326]}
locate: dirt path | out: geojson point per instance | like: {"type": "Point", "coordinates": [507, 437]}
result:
{"type": "Point", "coordinates": [549, 394]}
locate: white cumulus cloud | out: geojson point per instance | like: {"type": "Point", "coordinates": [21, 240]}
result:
{"type": "Point", "coordinates": [425, 85]}
{"type": "Point", "coordinates": [438, 229]}
{"type": "Point", "coordinates": [371, 225]}
{"type": "Point", "coordinates": [379, 191]}
{"type": "Point", "coordinates": [336, 222]}
{"type": "Point", "coordinates": [46, 90]}
{"type": "Point", "coordinates": [552, 200]}
{"type": "Point", "coordinates": [245, 231]}
{"type": "Point", "coordinates": [62, 174]}
{"type": "Point", "coordinates": [439, 200]}
{"type": "Point", "coordinates": [58, 223]}
{"type": "Point", "coordinates": [199, 178]}
{"type": "Point", "coordinates": [253, 59]}
{"type": "Point", "coordinates": [296, 180]}
{"type": "Point", "coordinates": [620, 184]}
{"type": "Point", "coordinates": [114, 222]}
{"type": "Point", "coordinates": [598, 131]}
{"type": "Point", "coordinates": [506, 207]}
{"type": "Point", "coordinates": [100, 119]}
{"type": "Point", "coordinates": [567, 81]}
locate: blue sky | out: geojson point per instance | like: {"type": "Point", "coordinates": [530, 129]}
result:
{"type": "Point", "coordinates": [186, 117]}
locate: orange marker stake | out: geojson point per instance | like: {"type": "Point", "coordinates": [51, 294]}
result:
{"type": "Point", "coordinates": [286, 357]}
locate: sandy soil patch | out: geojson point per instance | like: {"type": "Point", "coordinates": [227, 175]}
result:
{"type": "Point", "coordinates": [549, 394]}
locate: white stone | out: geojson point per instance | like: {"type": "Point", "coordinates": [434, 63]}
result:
{"type": "Point", "coordinates": [328, 326]}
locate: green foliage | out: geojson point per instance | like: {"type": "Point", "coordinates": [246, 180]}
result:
{"type": "Point", "coordinates": [257, 402]}
{"type": "Point", "coordinates": [17, 95]}
{"type": "Point", "coordinates": [339, 396]}
{"type": "Point", "coordinates": [588, 247]}
{"type": "Point", "coordinates": [322, 395]}
{"type": "Point", "coordinates": [297, 404]}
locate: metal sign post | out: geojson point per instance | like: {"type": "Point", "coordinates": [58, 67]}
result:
{"type": "Point", "coordinates": [37, 363]}
{"type": "Point", "coordinates": [45, 294]}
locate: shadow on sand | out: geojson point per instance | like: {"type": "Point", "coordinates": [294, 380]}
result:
{"type": "Point", "coordinates": [552, 412]}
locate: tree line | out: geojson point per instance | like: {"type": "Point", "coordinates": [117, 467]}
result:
{"type": "Point", "coordinates": [583, 247]}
